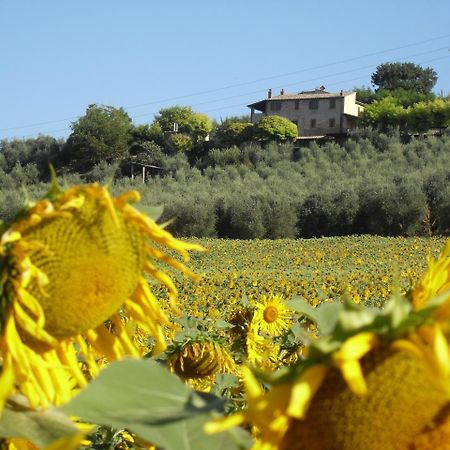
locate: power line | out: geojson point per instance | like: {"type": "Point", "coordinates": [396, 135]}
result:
{"type": "Point", "coordinates": [318, 78]}
{"type": "Point", "coordinates": [248, 82]}
{"type": "Point", "coordinates": [260, 91]}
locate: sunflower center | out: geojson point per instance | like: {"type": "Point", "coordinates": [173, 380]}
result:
{"type": "Point", "coordinates": [93, 264]}
{"type": "Point", "coordinates": [401, 401]}
{"type": "Point", "coordinates": [270, 314]}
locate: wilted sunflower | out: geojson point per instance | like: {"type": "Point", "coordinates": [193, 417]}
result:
{"type": "Point", "coordinates": [379, 380]}
{"type": "Point", "coordinates": [272, 315]}
{"type": "Point", "coordinates": [199, 360]}
{"type": "Point", "coordinates": [68, 264]}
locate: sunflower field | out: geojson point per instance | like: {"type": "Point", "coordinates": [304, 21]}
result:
{"type": "Point", "coordinates": [117, 335]}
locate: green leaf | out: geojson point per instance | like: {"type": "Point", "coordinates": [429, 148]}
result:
{"type": "Point", "coordinates": [222, 324]}
{"type": "Point", "coordinates": [302, 307]}
{"type": "Point", "coordinates": [40, 427]}
{"type": "Point", "coordinates": [300, 333]}
{"type": "Point", "coordinates": [244, 300]}
{"type": "Point", "coordinates": [145, 398]}
{"type": "Point", "coordinates": [397, 310]}
{"type": "Point", "coordinates": [327, 315]}
{"type": "Point", "coordinates": [225, 381]}
{"type": "Point", "coordinates": [353, 317]}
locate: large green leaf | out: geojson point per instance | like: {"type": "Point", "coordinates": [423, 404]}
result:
{"type": "Point", "coordinates": [40, 427]}
{"type": "Point", "coordinates": [301, 306]}
{"type": "Point", "coordinates": [145, 398]}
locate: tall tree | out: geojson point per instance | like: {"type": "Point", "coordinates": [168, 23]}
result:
{"type": "Point", "coordinates": [408, 76]}
{"type": "Point", "coordinates": [102, 134]}
{"type": "Point", "coordinates": [196, 125]}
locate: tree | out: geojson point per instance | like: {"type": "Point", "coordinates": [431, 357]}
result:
{"type": "Point", "coordinates": [276, 128]}
{"type": "Point", "coordinates": [231, 132]}
{"type": "Point", "coordinates": [102, 134]}
{"type": "Point", "coordinates": [196, 125]}
{"type": "Point", "coordinates": [408, 76]}
{"type": "Point", "coordinates": [384, 114]}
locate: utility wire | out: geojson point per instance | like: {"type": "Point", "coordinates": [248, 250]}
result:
{"type": "Point", "coordinates": [318, 78]}
{"type": "Point", "coordinates": [247, 82]}
{"type": "Point", "coordinates": [236, 105]}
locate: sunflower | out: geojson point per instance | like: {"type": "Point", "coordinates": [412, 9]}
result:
{"type": "Point", "coordinates": [435, 281]}
{"type": "Point", "coordinates": [199, 360]}
{"type": "Point", "coordinates": [261, 352]}
{"type": "Point", "coordinates": [272, 315]}
{"type": "Point", "coordinates": [377, 379]}
{"type": "Point", "coordinates": [70, 265]}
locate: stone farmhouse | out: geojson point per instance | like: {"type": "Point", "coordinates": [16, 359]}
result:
{"type": "Point", "coordinates": [317, 113]}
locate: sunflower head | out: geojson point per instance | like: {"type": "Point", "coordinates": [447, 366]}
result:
{"type": "Point", "coordinates": [201, 357]}
{"type": "Point", "coordinates": [68, 265]}
{"type": "Point", "coordinates": [272, 315]}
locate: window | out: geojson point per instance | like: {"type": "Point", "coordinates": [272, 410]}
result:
{"type": "Point", "coordinates": [314, 104]}
{"type": "Point", "coordinates": [332, 123]}
{"type": "Point", "coordinates": [313, 123]}
{"type": "Point", "coordinates": [275, 106]}
{"type": "Point", "coordinates": [332, 103]}
{"type": "Point", "coordinates": [297, 104]}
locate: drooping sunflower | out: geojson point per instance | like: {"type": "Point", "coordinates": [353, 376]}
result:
{"type": "Point", "coordinates": [272, 315]}
{"type": "Point", "coordinates": [377, 379]}
{"type": "Point", "coordinates": [69, 264]}
{"type": "Point", "coordinates": [199, 360]}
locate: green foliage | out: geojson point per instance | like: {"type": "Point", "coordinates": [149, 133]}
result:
{"type": "Point", "coordinates": [195, 125]}
{"type": "Point", "coordinates": [230, 133]}
{"type": "Point", "coordinates": [419, 117]}
{"type": "Point", "coordinates": [384, 114]}
{"type": "Point", "coordinates": [275, 128]}
{"type": "Point", "coordinates": [147, 152]}
{"type": "Point", "coordinates": [365, 94]}
{"type": "Point", "coordinates": [408, 76]}
{"type": "Point", "coordinates": [40, 427]}
{"type": "Point", "coordinates": [157, 406]}
{"type": "Point", "coordinates": [102, 134]}
{"type": "Point", "coordinates": [180, 143]}
{"type": "Point", "coordinates": [40, 152]}
{"type": "Point", "coordinates": [222, 157]}
{"type": "Point", "coordinates": [404, 97]}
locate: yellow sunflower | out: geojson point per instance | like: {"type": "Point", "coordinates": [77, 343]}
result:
{"type": "Point", "coordinates": [272, 315]}
{"type": "Point", "coordinates": [435, 281]}
{"type": "Point", "coordinates": [68, 265]}
{"type": "Point", "coordinates": [261, 352]}
{"type": "Point", "coordinates": [379, 379]}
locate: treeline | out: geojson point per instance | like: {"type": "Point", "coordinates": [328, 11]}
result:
{"type": "Point", "coordinates": [420, 117]}
{"type": "Point", "coordinates": [373, 183]}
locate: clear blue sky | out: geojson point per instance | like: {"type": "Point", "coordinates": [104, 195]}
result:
{"type": "Point", "coordinates": [59, 56]}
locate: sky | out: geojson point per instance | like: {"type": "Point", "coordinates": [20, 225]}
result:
{"type": "Point", "coordinates": [59, 56]}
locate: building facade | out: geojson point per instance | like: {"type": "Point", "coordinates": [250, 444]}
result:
{"type": "Point", "coordinates": [316, 113]}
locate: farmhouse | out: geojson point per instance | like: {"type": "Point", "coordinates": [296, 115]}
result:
{"type": "Point", "coordinates": [316, 113]}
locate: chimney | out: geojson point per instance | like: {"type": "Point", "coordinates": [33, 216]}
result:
{"type": "Point", "coordinates": [282, 92]}
{"type": "Point", "coordinates": [341, 93]}
{"type": "Point", "coordinates": [269, 93]}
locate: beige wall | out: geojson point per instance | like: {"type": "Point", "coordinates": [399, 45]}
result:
{"type": "Point", "coordinates": [304, 116]}
{"type": "Point", "coordinates": [351, 107]}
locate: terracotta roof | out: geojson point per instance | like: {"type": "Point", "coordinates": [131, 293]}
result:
{"type": "Point", "coordinates": [304, 95]}
{"type": "Point", "coordinates": [308, 95]}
